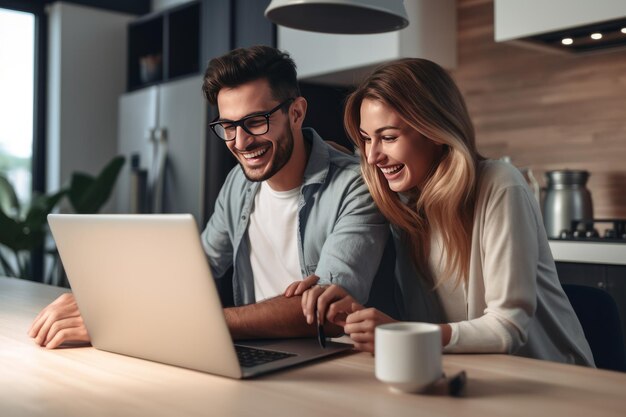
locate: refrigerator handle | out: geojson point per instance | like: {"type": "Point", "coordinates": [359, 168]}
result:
{"type": "Point", "coordinates": [158, 167]}
{"type": "Point", "coordinates": [150, 140]}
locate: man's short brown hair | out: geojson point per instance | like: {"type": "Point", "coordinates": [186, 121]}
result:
{"type": "Point", "coordinates": [242, 65]}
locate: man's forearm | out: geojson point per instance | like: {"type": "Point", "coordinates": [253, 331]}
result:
{"type": "Point", "coordinates": [278, 317]}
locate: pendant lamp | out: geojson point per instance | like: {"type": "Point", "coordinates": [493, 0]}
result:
{"type": "Point", "coordinates": [339, 16]}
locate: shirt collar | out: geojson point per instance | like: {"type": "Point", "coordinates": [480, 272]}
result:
{"type": "Point", "coordinates": [318, 164]}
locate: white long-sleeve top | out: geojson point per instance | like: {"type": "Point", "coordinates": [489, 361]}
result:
{"type": "Point", "coordinates": [514, 302]}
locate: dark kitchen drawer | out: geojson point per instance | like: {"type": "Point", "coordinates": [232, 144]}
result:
{"type": "Point", "coordinates": [610, 278]}
{"type": "Point", "coordinates": [616, 285]}
{"type": "Point", "coordinates": [591, 275]}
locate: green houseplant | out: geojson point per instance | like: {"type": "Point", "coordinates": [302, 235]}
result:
{"type": "Point", "coordinates": [23, 229]}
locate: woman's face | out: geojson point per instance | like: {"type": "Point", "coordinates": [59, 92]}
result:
{"type": "Point", "coordinates": [403, 155]}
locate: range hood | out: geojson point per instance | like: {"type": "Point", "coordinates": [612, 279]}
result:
{"type": "Point", "coordinates": [573, 26]}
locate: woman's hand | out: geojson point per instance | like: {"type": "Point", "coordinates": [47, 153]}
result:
{"type": "Point", "coordinates": [329, 301]}
{"type": "Point", "coordinates": [299, 287]}
{"type": "Point", "coordinates": [58, 323]}
{"type": "Point", "coordinates": [361, 326]}
{"type": "Point", "coordinates": [339, 307]}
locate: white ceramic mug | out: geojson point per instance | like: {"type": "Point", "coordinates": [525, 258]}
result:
{"type": "Point", "coordinates": [408, 355]}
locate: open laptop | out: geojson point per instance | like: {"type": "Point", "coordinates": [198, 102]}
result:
{"type": "Point", "coordinates": [145, 289]}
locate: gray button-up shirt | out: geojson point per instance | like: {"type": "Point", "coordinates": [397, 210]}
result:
{"type": "Point", "coordinates": [341, 233]}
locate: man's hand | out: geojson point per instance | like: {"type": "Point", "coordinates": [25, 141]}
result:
{"type": "Point", "coordinates": [58, 323]}
{"type": "Point", "coordinates": [277, 317]}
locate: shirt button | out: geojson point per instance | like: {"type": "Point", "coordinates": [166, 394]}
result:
{"type": "Point", "coordinates": [243, 217]}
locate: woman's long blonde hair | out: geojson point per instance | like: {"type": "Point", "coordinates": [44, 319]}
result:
{"type": "Point", "coordinates": [427, 99]}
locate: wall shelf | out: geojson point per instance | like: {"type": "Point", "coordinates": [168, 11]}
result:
{"type": "Point", "coordinates": [164, 46]}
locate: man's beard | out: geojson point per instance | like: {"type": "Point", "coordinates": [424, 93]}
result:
{"type": "Point", "coordinates": [282, 154]}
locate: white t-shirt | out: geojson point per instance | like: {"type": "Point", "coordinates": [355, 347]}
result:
{"type": "Point", "coordinates": [273, 237]}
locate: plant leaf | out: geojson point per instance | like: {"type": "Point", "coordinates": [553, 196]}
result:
{"type": "Point", "coordinates": [8, 199]}
{"type": "Point", "coordinates": [41, 206]}
{"type": "Point", "coordinates": [7, 269]}
{"type": "Point", "coordinates": [79, 184]}
{"type": "Point", "coordinates": [88, 197]}
{"type": "Point", "coordinates": [33, 229]}
{"type": "Point", "coordinates": [11, 231]}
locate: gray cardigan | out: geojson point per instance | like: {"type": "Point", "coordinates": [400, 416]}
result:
{"type": "Point", "coordinates": [515, 303]}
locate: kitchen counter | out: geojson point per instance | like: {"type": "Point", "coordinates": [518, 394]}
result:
{"type": "Point", "coordinates": [589, 252]}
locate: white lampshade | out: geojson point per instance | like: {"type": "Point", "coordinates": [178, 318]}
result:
{"type": "Point", "coordinates": [339, 16]}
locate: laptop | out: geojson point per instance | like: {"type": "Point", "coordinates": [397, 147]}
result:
{"type": "Point", "coordinates": [144, 288]}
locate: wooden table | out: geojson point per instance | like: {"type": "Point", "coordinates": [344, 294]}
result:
{"type": "Point", "coordinates": [87, 382]}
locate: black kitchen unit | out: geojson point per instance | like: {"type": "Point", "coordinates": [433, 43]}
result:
{"type": "Point", "coordinates": [607, 277]}
{"type": "Point", "coordinates": [603, 266]}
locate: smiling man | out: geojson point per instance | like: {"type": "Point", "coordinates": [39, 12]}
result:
{"type": "Point", "coordinates": [294, 207]}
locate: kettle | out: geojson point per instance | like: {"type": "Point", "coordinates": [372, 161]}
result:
{"type": "Point", "coordinates": [566, 199]}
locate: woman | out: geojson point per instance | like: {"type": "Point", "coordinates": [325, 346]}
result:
{"type": "Point", "coordinates": [468, 230]}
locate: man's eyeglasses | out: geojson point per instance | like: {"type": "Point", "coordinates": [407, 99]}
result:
{"type": "Point", "coordinates": [254, 124]}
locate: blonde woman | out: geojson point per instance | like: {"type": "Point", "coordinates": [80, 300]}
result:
{"type": "Point", "coordinates": [468, 230]}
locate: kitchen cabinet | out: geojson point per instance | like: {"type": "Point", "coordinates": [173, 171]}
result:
{"type": "Point", "coordinates": [616, 286]}
{"type": "Point", "coordinates": [610, 278]}
{"type": "Point", "coordinates": [590, 275]}
{"type": "Point", "coordinates": [514, 20]}
{"type": "Point", "coordinates": [529, 20]}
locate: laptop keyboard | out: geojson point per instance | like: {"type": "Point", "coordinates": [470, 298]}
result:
{"type": "Point", "coordinates": [249, 357]}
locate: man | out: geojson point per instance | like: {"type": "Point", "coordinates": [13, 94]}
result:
{"type": "Point", "coordinates": [294, 207]}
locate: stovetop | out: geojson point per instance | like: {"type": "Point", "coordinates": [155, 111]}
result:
{"type": "Point", "coordinates": [611, 231]}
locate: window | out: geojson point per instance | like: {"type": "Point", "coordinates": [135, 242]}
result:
{"type": "Point", "coordinates": [17, 79]}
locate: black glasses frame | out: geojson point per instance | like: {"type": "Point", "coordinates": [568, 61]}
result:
{"type": "Point", "coordinates": [217, 124]}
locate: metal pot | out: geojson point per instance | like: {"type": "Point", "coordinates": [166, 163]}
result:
{"type": "Point", "coordinates": [566, 198]}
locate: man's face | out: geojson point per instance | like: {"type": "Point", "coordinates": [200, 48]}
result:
{"type": "Point", "coordinates": [264, 155]}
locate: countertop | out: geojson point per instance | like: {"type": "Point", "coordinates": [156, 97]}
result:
{"type": "Point", "coordinates": [589, 252]}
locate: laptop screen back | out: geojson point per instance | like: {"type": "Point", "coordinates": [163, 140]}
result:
{"type": "Point", "coordinates": [144, 288]}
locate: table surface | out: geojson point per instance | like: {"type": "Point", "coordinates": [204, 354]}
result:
{"type": "Point", "coordinates": [87, 382]}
